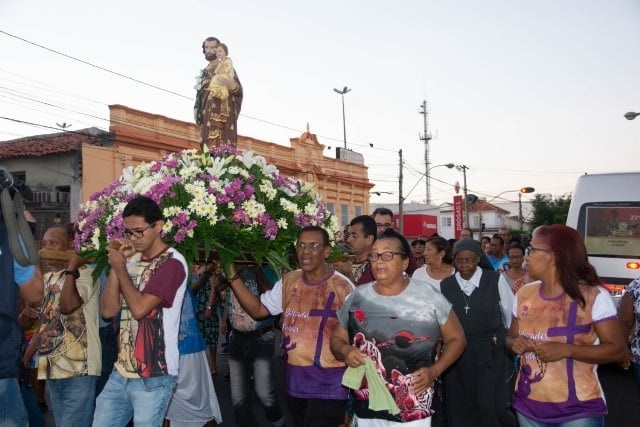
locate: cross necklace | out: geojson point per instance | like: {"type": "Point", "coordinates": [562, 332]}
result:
{"type": "Point", "coordinates": [466, 302]}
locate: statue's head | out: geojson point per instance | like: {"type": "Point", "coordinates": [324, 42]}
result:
{"type": "Point", "coordinates": [209, 39]}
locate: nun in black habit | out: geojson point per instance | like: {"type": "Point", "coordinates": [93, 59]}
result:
{"type": "Point", "coordinates": [477, 391]}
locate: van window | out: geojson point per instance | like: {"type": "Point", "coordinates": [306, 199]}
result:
{"type": "Point", "coordinates": [611, 229]}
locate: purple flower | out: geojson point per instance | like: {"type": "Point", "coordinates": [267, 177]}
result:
{"type": "Point", "coordinates": [302, 220]}
{"type": "Point", "coordinates": [162, 189]}
{"type": "Point", "coordinates": [223, 151]}
{"type": "Point", "coordinates": [270, 226]}
{"type": "Point", "coordinates": [249, 191]}
{"type": "Point", "coordinates": [241, 217]}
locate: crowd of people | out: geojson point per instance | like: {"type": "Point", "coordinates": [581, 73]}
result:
{"type": "Point", "coordinates": [444, 333]}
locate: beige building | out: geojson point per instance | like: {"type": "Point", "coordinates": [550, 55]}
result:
{"type": "Point", "coordinates": [70, 166]}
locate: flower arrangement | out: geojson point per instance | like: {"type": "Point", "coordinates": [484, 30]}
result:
{"type": "Point", "coordinates": [226, 201]}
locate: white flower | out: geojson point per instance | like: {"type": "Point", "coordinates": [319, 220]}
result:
{"type": "Point", "coordinates": [210, 211]}
{"type": "Point", "coordinates": [143, 185]}
{"type": "Point", "coordinates": [199, 79]}
{"type": "Point", "coordinates": [216, 185]}
{"type": "Point", "coordinates": [270, 170]}
{"type": "Point", "coordinates": [95, 238]}
{"type": "Point", "coordinates": [217, 167]}
{"type": "Point", "coordinates": [267, 188]}
{"type": "Point", "coordinates": [253, 208]}
{"type": "Point", "coordinates": [289, 206]}
{"type": "Point", "coordinates": [247, 158]}
{"type": "Point", "coordinates": [283, 224]}
{"type": "Point", "coordinates": [119, 208]}
{"type": "Point", "coordinates": [234, 170]}
{"type": "Point", "coordinates": [190, 171]}
{"type": "Point", "coordinates": [197, 206]}
{"type": "Point", "coordinates": [170, 211]}
{"type": "Point", "coordinates": [310, 209]}
{"type": "Point", "coordinates": [306, 187]}
{"type": "Point", "coordinates": [332, 227]}
{"type": "Point", "coordinates": [289, 192]}
{"type": "Point", "coordinates": [197, 189]}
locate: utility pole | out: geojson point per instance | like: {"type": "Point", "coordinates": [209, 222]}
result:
{"type": "Point", "coordinates": [400, 197]}
{"type": "Point", "coordinates": [426, 137]}
{"type": "Point", "coordinates": [464, 168]}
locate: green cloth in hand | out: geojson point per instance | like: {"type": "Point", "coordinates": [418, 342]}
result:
{"type": "Point", "coordinates": [380, 398]}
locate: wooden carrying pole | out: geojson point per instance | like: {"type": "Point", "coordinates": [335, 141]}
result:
{"type": "Point", "coordinates": [55, 255]}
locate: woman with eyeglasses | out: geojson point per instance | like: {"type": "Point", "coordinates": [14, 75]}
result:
{"type": "Point", "coordinates": [476, 388]}
{"type": "Point", "coordinates": [396, 322]}
{"type": "Point", "coordinates": [564, 324]}
{"type": "Point", "coordinates": [438, 262]}
{"type": "Point", "coordinates": [516, 275]}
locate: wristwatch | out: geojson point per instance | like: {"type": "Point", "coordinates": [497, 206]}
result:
{"type": "Point", "coordinates": [74, 273]}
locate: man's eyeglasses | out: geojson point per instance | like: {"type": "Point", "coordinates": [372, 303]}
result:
{"type": "Point", "coordinates": [530, 249]}
{"type": "Point", "coordinates": [312, 246]}
{"type": "Point", "coordinates": [385, 256]}
{"type": "Point", "coordinates": [385, 225]}
{"type": "Point", "coordinates": [138, 232]}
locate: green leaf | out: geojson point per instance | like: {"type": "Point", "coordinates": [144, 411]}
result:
{"type": "Point", "coordinates": [277, 261]}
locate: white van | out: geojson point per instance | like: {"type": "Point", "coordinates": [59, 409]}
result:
{"type": "Point", "coordinates": [605, 209]}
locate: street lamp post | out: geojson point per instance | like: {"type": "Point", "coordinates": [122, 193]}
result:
{"type": "Point", "coordinates": [521, 191]}
{"type": "Point", "coordinates": [428, 178]}
{"type": "Point", "coordinates": [344, 124]}
{"type": "Point", "coordinates": [448, 165]}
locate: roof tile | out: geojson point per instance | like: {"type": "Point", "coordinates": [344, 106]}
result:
{"type": "Point", "coordinates": [43, 145]}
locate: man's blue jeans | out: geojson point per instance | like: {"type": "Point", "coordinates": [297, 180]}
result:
{"type": "Point", "coordinates": [31, 405]}
{"type": "Point", "coordinates": [143, 399]}
{"type": "Point", "coordinates": [73, 400]}
{"type": "Point", "coordinates": [246, 351]}
{"type": "Point", "coordinates": [12, 411]}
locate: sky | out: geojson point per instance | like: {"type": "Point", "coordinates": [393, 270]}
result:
{"type": "Point", "coordinates": [524, 94]}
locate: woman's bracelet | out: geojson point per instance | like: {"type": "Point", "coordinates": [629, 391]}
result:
{"type": "Point", "coordinates": [236, 277]}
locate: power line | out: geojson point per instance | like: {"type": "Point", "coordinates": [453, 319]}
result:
{"type": "Point", "coordinates": [95, 66]}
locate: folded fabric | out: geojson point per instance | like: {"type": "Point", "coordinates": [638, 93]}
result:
{"type": "Point", "coordinates": [380, 398]}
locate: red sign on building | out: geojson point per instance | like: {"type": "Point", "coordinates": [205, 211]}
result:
{"type": "Point", "coordinates": [416, 225]}
{"type": "Point", "coordinates": [458, 207]}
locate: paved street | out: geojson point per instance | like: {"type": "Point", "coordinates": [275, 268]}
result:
{"type": "Point", "coordinates": [622, 396]}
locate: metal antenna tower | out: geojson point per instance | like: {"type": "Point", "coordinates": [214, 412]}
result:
{"type": "Point", "coordinates": [426, 137]}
